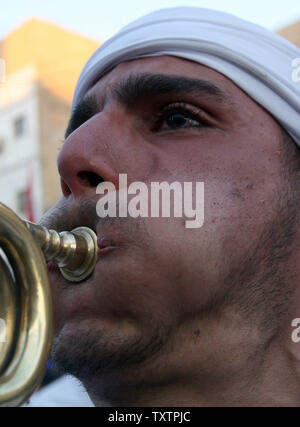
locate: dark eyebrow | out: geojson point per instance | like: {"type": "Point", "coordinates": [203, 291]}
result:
{"type": "Point", "coordinates": [136, 87]}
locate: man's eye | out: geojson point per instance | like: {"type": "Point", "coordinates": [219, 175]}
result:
{"type": "Point", "coordinates": [180, 120]}
{"type": "Point", "coordinates": [180, 116]}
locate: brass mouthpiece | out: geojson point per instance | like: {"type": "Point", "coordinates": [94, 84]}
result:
{"type": "Point", "coordinates": [74, 252]}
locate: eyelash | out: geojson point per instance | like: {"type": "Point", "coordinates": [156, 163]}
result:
{"type": "Point", "coordinates": [192, 113]}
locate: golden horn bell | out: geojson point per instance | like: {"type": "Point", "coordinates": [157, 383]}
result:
{"type": "Point", "coordinates": [26, 318]}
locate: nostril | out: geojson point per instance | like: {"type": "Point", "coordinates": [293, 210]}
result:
{"type": "Point", "coordinates": [65, 188]}
{"type": "Point", "coordinates": [89, 179]}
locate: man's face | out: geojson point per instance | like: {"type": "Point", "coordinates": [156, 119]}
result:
{"type": "Point", "coordinates": [167, 295]}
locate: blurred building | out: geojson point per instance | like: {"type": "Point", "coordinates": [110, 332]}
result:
{"type": "Point", "coordinates": [291, 33]}
{"type": "Point", "coordinates": [42, 64]}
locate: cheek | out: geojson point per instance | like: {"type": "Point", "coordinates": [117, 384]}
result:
{"type": "Point", "coordinates": [185, 260]}
{"type": "Point", "coordinates": [197, 260]}
{"type": "Point", "coordinates": [236, 213]}
{"type": "Point", "coordinates": [58, 306]}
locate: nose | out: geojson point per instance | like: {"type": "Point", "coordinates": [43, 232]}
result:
{"type": "Point", "coordinates": [86, 160]}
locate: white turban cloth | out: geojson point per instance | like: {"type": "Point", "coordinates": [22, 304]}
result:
{"type": "Point", "coordinates": [257, 60]}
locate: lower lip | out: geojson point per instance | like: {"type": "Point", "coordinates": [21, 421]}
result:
{"type": "Point", "coordinates": [52, 268]}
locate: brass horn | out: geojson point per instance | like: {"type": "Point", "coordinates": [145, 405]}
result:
{"type": "Point", "coordinates": [26, 319]}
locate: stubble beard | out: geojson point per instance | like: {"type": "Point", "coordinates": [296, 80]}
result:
{"type": "Point", "coordinates": [264, 282]}
{"type": "Point", "coordinates": [90, 354]}
{"type": "Point", "coordinates": [259, 288]}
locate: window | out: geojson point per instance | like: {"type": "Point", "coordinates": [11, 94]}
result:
{"type": "Point", "coordinates": [2, 145]}
{"type": "Point", "coordinates": [2, 70]}
{"type": "Point", "coordinates": [21, 202]}
{"type": "Point", "coordinates": [19, 126]}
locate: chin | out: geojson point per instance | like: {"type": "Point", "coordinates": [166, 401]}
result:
{"type": "Point", "coordinates": [91, 348]}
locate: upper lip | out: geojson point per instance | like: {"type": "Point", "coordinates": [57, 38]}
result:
{"type": "Point", "coordinates": [109, 233]}
{"type": "Point", "coordinates": [106, 236]}
{"type": "Point", "coordinates": [59, 227]}
{"type": "Point", "coordinates": [106, 239]}
{"type": "Point", "coordinates": [63, 217]}
{"type": "Point", "coordinates": [103, 242]}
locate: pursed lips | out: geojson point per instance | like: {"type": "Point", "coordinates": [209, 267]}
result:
{"type": "Point", "coordinates": [105, 246]}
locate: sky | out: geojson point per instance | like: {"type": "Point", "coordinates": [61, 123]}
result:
{"type": "Point", "coordinates": [101, 19]}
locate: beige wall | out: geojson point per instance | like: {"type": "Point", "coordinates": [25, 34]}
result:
{"type": "Point", "coordinates": [53, 118]}
{"type": "Point", "coordinates": [291, 33]}
{"type": "Point", "coordinates": [51, 58]}
{"type": "Point", "coordinates": [58, 54]}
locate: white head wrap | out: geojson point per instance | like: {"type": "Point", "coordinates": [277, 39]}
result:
{"type": "Point", "coordinates": [255, 59]}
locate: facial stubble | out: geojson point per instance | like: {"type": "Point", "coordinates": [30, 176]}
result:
{"type": "Point", "coordinates": [259, 287]}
